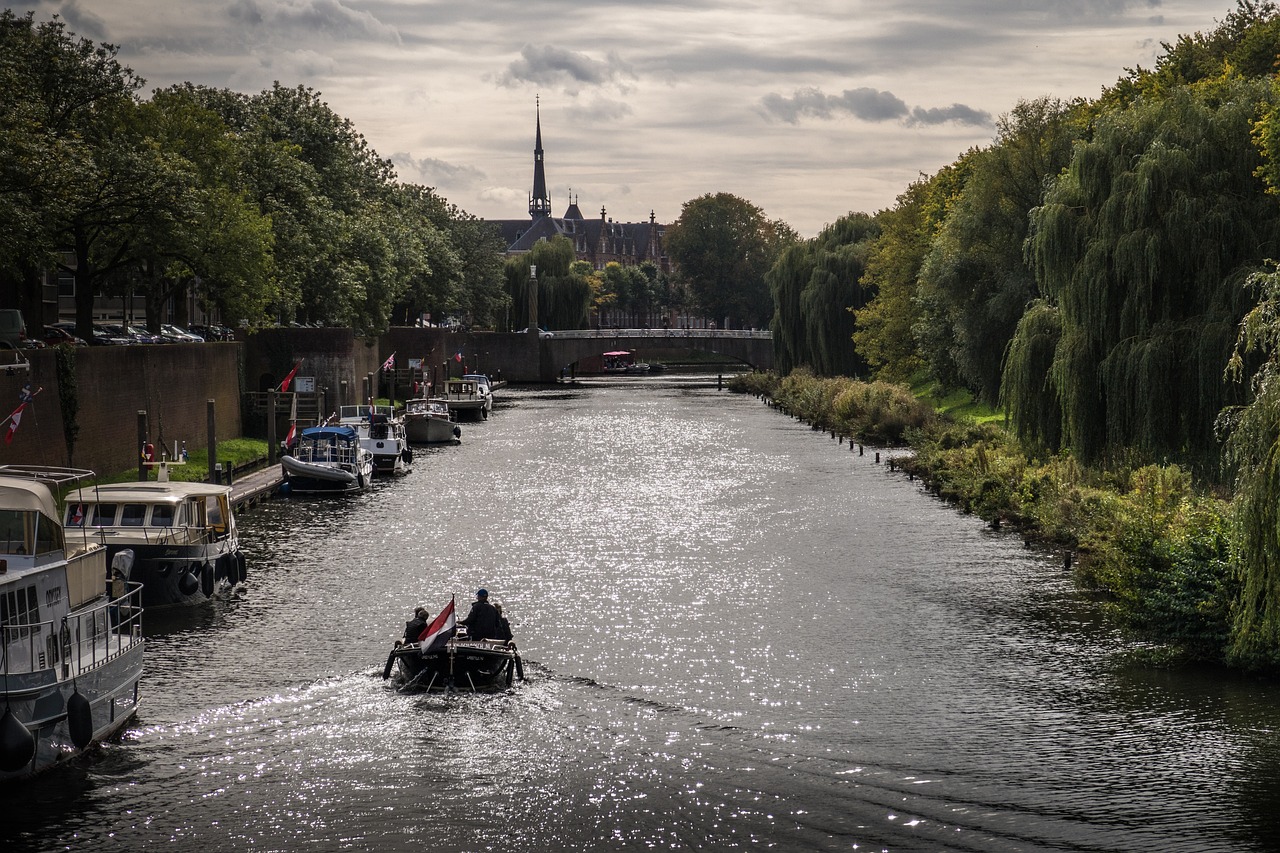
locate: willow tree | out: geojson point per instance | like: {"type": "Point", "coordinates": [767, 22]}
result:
{"type": "Point", "coordinates": [564, 296]}
{"type": "Point", "coordinates": [1253, 454]}
{"type": "Point", "coordinates": [816, 285]}
{"type": "Point", "coordinates": [975, 282]}
{"type": "Point", "coordinates": [1143, 245]}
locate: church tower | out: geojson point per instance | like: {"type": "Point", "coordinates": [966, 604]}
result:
{"type": "Point", "coordinates": [539, 201]}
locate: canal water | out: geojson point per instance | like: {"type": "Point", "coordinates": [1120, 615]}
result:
{"type": "Point", "coordinates": [738, 634]}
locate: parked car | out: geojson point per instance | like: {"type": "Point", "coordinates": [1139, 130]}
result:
{"type": "Point", "coordinates": [12, 361]}
{"type": "Point", "coordinates": [105, 336]}
{"type": "Point", "coordinates": [179, 335]}
{"type": "Point", "coordinates": [12, 327]}
{"type": "Point", "coordinates": [57, 335]}
{"type": "Point", "coordinates": [542, 333]}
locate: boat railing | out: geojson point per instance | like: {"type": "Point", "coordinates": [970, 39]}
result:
{"type": "Point", "coordinates": [342, 454]}
{"type": "Point", "coordinates": [79, 641]}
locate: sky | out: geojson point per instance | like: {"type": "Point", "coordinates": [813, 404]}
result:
{"type": "Point", "coordinates": [807, 110]}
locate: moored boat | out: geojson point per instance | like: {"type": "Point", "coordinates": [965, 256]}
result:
{"type": "Point", "coordinates": [382, 433]}
{"type": "Point", "coordinates": [327, 460]}
{"type": "Point", "coordinates": [72, 643]}
{"type": "Point", "coordinates": [465, 399]}
{"type": "Point", "coordinates": [182, 535]}
{"type": "Point", "coordinates": [428, 422]}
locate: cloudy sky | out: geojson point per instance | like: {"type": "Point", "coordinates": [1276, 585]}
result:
{"type": "Point", "coordinates": [808, 110]}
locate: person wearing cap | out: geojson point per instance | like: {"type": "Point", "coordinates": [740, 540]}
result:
{"type": "Point", "coordinates": [415, 626]}
{"type": "Point", "coordinates": [482, 619]}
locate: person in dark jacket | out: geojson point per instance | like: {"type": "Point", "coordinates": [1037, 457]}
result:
{"type": "Point", "coordinates": [482, 619]}
{"type": "Point", "coordinates": [503, 631]}
{"type": "Point", "coordinates": [415, 626]}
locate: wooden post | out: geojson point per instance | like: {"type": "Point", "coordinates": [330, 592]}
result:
{"type": "Point", "coordinates": [142, 444]}
{"type": "Point", "coordinates": [271, 427]}
{"type": "Point", "coordinates": [213, 441]}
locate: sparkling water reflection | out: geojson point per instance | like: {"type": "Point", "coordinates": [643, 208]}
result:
{"type": "Point", "coordinates": [737, 633]}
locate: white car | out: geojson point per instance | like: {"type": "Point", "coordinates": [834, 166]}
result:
{"type": "Point", "coordinates": [542, 333]}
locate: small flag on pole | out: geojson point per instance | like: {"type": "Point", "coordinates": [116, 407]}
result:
{"type": "Point", "coordinates": [457, 356]}
{"type": "Point", "coordinates": [284, 386]}
{"type": "Point", "coordinates": [14, 419]}
{"type": "Point", "coordinates": [293, 422]}
{"type": "Point", "coordinates": [439, 631]}
{"type": "Point", "coordinates": [390, 362]}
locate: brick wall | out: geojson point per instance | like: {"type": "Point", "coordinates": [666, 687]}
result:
{"type": "Point", "coordinates": [172, 383]}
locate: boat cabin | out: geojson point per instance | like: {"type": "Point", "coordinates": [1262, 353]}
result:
{"type": "Point", "coordinates": [180, 513]}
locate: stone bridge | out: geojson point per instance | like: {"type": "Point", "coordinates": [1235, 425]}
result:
{"type": "Point", "coordinates": [540, 356]}
{"type": "Point", "coordinates": [569, 349]}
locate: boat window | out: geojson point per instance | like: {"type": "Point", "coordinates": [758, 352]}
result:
{"type": "Point", "coordinates": [104, 515]}
{"type": "Point", "coordinates": [162, 515]}
{"type": "Point", "coordinates": [48, 534]}
{"type": "Point", "coordinates": [133, 515]}
{"type": "Point", "coordinates": [214, 514]}
{"type": "Point", "coordinates": [13, 531]}
{"type": "Point", "coordinates": [19, 607]}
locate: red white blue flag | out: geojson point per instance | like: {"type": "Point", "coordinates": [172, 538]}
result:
{"type": "Point", "coordinates": [457, 356]}
{"type": "Point", "coordinates": [390, 362]}
{"type": "Point", "coordinates": [435, 635]}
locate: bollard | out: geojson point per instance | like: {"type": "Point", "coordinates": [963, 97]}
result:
{"type": "Point", "coordinates": [859, 449]}
{"type": "Point", "coordinates": [877, 457]}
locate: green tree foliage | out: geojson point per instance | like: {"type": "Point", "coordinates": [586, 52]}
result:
{"type": "Point", "coordinates": [564, 295]}
{"type": "Point", "coordinates": [722, 246]}
{"type": "Point", "coordinates": [1252, 452]}
{"type": "Point", "coordinates": [887, 325]}
{"type": "Point", "coordinates": [1142, 246]}
{"type": "Point", "coordinates": [974, 283]}
{"type": "Point", "coordinates": [816, 288]}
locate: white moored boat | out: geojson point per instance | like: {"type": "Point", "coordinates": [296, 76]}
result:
{"type": "Point", "coordinates": [72, 643]}
{"type": "Point", "coordinates": [465, 398]}
{"type": "Point", "coordinates": [381, 433]}
{"type": "Point", "coordinates": [327, 460]}
{"type": "Point", "coordinates": [428, 422]}
{"type": "Point", "coordinates": [182, 535]}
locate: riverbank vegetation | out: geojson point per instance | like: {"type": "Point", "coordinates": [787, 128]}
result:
{"type": "Point", "coordinates": [1101, 274]}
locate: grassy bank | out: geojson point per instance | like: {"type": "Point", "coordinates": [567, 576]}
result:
{"type": "Point", "coordinates": [243, 453]}
{"type": "Point", "coordinates": [1144, 538]}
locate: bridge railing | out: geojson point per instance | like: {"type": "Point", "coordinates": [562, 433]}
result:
{"type": "Point", "coordinates": [662, 333]}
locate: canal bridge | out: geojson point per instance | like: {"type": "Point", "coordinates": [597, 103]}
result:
{"type": "Point", "coordinates": [566, 350]}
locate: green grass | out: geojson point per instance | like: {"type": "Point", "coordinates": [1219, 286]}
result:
{"type": "Point", "coordinates": [956, 403]}
{"type": "Point", "coordinates": [240, 452]}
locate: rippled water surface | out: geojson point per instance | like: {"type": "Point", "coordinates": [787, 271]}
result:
{"type": "Point", "coordinates": [738, 634]}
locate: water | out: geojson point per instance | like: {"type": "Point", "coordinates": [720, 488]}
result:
{"type": "Point", "coordinates": [738, 634]}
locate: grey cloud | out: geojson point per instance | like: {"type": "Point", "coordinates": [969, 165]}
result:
{"type": "Point", "coordinates": [958, 113]}
{"type": "Point", "coordinates": [331, 17]}
{"type": "Point", "coordinates": [82, 22]}
{"type": "Point", "coordinates": [555, 66]}
{"type": "Point", "coordinates": [428, 171]}
{"type": "Point", "coordinates": [864, 103]}
{"type": "Point", "coordinates": [601, 111]}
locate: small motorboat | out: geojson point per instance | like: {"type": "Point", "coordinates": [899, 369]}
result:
{"type": "Point", "coordinates": [327, 460]}
{"type": "Point", "coordinates": [446, 658]}
{"type": "Point", "coordinates": [382, 433]}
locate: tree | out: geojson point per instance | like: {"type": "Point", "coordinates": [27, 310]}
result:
{"type": "Point", "coordinates": [722, 246]}
{"type": "Point", "coordinates": [1143, 245]}
{"type": "Point", "coordinates": [974, 283]}
{"type": "Point", "coordinates": [816, 288]}
{"type": "Point", "coordinates": [564, 296]}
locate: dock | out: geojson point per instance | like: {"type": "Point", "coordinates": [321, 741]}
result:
{"type": "Point", "coordinates": [249, 488]}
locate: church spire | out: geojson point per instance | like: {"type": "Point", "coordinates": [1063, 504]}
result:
{"type": "Point", "coordinates": [539, 200]}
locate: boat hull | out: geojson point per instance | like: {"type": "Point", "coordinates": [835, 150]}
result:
{"type": "Point", "coordinates": [111, 690]}
{"type": "Point", "coordinates": [309, 478]}
{"type": "Point", "coordinates": [173, 575]}
{"type": "Point", "coordinates": [427, 430]}
{"type": "Point", "coordinates": [462, 665]}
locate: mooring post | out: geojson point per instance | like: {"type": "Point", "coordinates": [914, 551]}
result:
{"type": "Point", "coordinates": [213, 441]}
{"type": "Point", "coordinates": [142, 445]}
{"type": "Point", "coordinates": [271, 427]}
